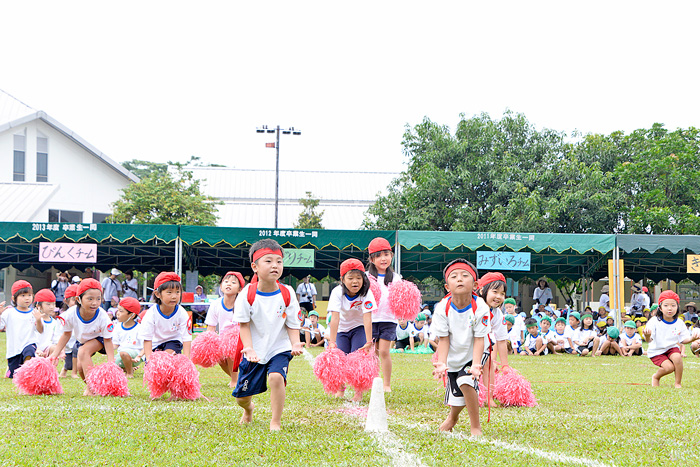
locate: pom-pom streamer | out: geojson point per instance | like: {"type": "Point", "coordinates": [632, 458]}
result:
{"type": "Point", "coordinates": [36, 377]}
{"type": "Point", "coordinates": [329, 368]}
{"type": "Point", "coordinates": [361, 369]}
{"type": "Point", "coordinates": [404, 300]}
{"type": "Point", "coordinates": [207, 349]}
{"type": "Point", "coordinates": [107, 380]}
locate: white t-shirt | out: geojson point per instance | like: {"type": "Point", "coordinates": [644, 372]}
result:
{"type": "Point", "coordinates": [110, 288]}
{"type": "Point", "coordinates": [417, 331]}
{"type": "Point", "coordinates": [219, 315]}
{"type": "Point", "coordinates": [306, 292]}
{"type": "Point", "coordinates": [131, 291]}
{"type": "Point", "coordinates": [628, 341]}
{"type": "Point", "coordinates": [582, 334]}
{"type": "Point", "coordinates": [319, 329]}
{"type": "Point", "coordinates": [665, 335]}
{"type": "Point", "coordinates": [158, 328]}
{"type": "Point", "coordinates": [351, 309]}
{"type": "Point", "coordinates": [499, 331]}
{"type": "Point", "coordinates": [550, 336]}
{"type": "Point", "coordinates": [383, 312]}
{"type": "Point", "coordinates": [20, 327]}
{"type": "Point", "coordinates": [542, 295]}
{"type": "Point", "coordinates": [604, 300]}
{"type": "Point", "coordinates": [514, 337]}
{"type": "Point", "coordinates": [100, 325]}
{"type": "Point", "coordinates": [269, 320]}
{"type": "Point", "coordinates": [128, 338]}
{"type": "Point", "coordinates": [563, 338]}
{"type": "Point", "coordinates": [531, 341]}
{"type": "Point", "coordinates": [404, 333]}
{"type": "Point", "coordinates": [461, 326]}
{"type": "Point", "coordinates": [52, 331]}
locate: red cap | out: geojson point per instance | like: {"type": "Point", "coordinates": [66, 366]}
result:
{"type": "Point", "coordinates": [71, 291]}
{"type": "Point", "coordinates": [131, 304]}
{"type": "Point", "coordinates": [45, 295]}
{"type": "Point", "coordinates": [491, 277]}
{"type": "Point", "coordinates": [645, 290]}
{"type": "Point", "coordinates": [87, 284]}
{"type": "Point", "coordinates": [349, 265]}
{"type": "Point", "coordinates": [20, 285]}
{"type": "Point", "coordinates": [379, 244]}
{"type": "Point", "coordinates": [668, 295]}
{"type": "Point", "coordinates": [238, 275]}
{"type": "Point", "coordinates": [164, 277]}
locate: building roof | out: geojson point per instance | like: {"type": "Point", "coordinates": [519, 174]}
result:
{"type": "Point", "coordinates": [21, 201]}
{"type": "Point", "coordinates": [249, 195]}
{"type": "Point", "coordinates": [14, 112]}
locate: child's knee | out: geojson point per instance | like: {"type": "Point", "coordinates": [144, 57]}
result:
{"type": "Point", "coordinates": [275, 379]}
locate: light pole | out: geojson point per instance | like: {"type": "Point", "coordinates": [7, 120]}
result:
{"type": "Point", "coordinates": [285, 131]}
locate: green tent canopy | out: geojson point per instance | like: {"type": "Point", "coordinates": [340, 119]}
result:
{"type": "Point", "coordinates": [657, 257]}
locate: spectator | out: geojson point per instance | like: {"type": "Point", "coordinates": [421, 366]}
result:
{"type": "Point", "coordinates": [59, 286]}
{"type": "Point", "coordinates": [691, 311]}
{"type": "Point", "coordinates": [111, 288]}
{"type": "Point", "coordinates": [200, 311]}
{"type": "Point", "coordinates": [604, 300]}
{"type": "Point", "coordinates": [638, 300]}
{"type": "Point", "coordinates": [130, 284]}
{"type": "Point", "coordinates": [306, 294]}
{"type": "Point", "coordinates": [543, 294]}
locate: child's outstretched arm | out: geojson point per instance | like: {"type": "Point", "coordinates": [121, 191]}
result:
{"type": "Point", "coordinates": [440, 367]}
{"type": "Point", "coordinates": [477, 352]}
{"type": "Point", "coordinates": [109, 348]}
{"type": "Point", "coordinates": [335, 320]}
{"type": "Point", "coordinates": [367, 324]}
{"type": "Point", "coordinates": [695, 335]}
{"type": "Point", "coordinates": [62, 341]}
{"type": "Point", "coordinates": [147, 349]}
{"type": "Point", "coordinates": [186, 348]}
{"type": "Point", "coordinates": [297, 348]}
{"type": "Point", "coordinates": [502, 347]}
{"type": "Point", "coordinates": [247, 341]}
{"type": "Point", "coordinates": [38, 321]}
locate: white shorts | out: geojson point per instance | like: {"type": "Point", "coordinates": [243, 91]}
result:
{"type": "Point", "coordinates": [453, 393]}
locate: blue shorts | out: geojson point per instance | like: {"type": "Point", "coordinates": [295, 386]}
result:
{"type": "Point", "coordinates": [351, 340]}
{"type": "Point", "coordinates": [384, 330]}
{"type": "Point", "coordinates": [13, 363]}
{"type": "Point", "coordinates": [175, 346]}
{"type": "Point", "coordinates": [252, 377]}
{"type": "Point", "coordinates": [101, 340]}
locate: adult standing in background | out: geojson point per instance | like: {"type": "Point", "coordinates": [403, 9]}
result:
{"type": "Point", "coordinates": [638, 300]}
{"type": "Point", "coordinates": [59, 286]}
{"type": "Point", "coordinates": [111, 288]}
{"type": "Point", "coordinates": [543, 294]}
{"type": "Point", "coordinates": [306, 294]}
{"type": "Point", "coordinates": [604, 299]}
{"type": "Point", "coordinates": [130, 285]}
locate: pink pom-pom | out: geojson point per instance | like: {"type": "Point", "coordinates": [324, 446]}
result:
{"type": "Point", "coordinates": [375, 288]}
{"type": "Point", "coordinates": [514, 390]}
{"type": "Point", "coordinates": [404, 300]}
{"type": "Point", "coordinates": [37, 376]}
{"type": "Point", "coordinates": [107, 380]}
{"type": "Point", "coordinates": [229, 341]}
{"type": "Point", "coordinates": [483, 396]}
{"type": "Point", "coordinates": [206, 349]}
{"type": "Point", "coordinates": [185, 382]}
{"type": "Point", "coordinates": [158, 373]}
{"type": "Point", "coordinates": [329, 368]}
{"type": "Point", "coordinates": [361, 369]}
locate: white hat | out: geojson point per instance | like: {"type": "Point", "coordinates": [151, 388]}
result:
{"type": "Point", "coordinates": [116, 271]}
{"type": "Point", "coordinates": [76, 279]}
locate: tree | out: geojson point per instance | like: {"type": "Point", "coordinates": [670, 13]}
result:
{"type": "Point", "coordinates": [143, 169]}
{"type": "Point", "coordinates": [309, 218]}
{"type": "Point", "coordinates": [165, 199]}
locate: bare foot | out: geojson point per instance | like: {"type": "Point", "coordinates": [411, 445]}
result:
{"type": "Point", "coordinates": [340, 394]}
{"type": "Point", "coordinates": [654, 381]}
{"type": "Point", "coordinates": [387, 388]}
{"type": "Point", "coordinates": [598, 353]}
{"type": "Point", "coordinates": [275, 426]}
{"type": "Point", "coordinates": [247, 416]}
{"type": "Point", "coordinates": [63, 374]}
{"type": "Point", "coordinates": [88, 392]}
{"type": "Point", "coordinates": [476, 432]}
{"type": "Point", "coordinates": [357, 397]}
{"type": "Point", "coordinates": [74, 376]}
{"type": "Point", "coordinates": [677, 386]}
{"type": "Point", "coordinates": [448, 424]}
{"type": "Point", "coordinates": [130, 376]}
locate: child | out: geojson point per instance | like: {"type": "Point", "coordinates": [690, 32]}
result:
{"type": "Point", "coordinates": [166, 326]}
{"type": "Point", "coordinates": [113, 308]}
{"type": "Point", "coordinates": [665, 333]}
{"type": "Point", "coordinates": [220, 314]}
{"type": "Point", "coordinates": [610, 343]}
{"type": "Point", "coordinates": [71, 352]}
{"type": "Point", "coordinates": [21, 323]}
{"type": "Point", "coordinates": [270, 322]}
{"type": "Point", "coordinates": [127, 336]}
{"type": "Point", "coordinates": [315, 336]}
{"type": "Point", "coordinates": [574, 322]}
{"type": "Point", "coordinates": [630, 341]}
{"type": "Point", "coordinates": [562, 337]}
{"type": "Point", "coordinates": [420, 331]}
{"type": "Point", "coordinates": [351, 304]}
{"type": "Point", "coordinates": [90, 325]}
{"type": "Point", "coordinates": [518, 321]}
{"type": "Point", "coordinates": [461, 320]}
{"type": "Point", "coordinates": [514, 341]}
{"type": "Point", "coordinates": [45, 302]}
{"type": "Point", "coordinates": [586, 339]}
{"type": "Point", "coordinates": [549, 337]}
{"type": "Point", "coordinates": [383, 321]}
{"type": "Point", "coordinates": [404, 333]}
{"type": "Point", "coordinates": [534, 344]}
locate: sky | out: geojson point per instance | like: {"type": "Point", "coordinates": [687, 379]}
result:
{"type": "Point", "coordinates": [167, 80]}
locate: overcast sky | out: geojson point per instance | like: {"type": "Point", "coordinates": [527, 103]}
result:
{"type": "Point", "coordinates": [165, 80]}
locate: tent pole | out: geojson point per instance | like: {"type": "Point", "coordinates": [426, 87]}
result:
{"type": "Point", "coordinates": [397, 262]}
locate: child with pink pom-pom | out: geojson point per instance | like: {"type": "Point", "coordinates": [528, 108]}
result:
{"type": "Point", "coordinates": [21, 323]}
{"type": "Point", "coordinates": [351, 304]}
{"type": "Point", "coordinates": [127, 336]}
{"type": "Point", "coordinates": [45, 303]}
{"type": "Point", "coordinates": [220, 314]}
{"type": "Point", "coordinates": [269, 331]}
{"type": "Point", "coordinates": [90, 325]}
{"type": "Point", "coordinates": [462, 321]}
{"type": "Point", "coordinates": [383, 320]}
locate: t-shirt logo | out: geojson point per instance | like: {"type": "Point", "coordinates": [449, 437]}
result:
{"type": "Point", "coordinates": [356, 304]}
{"type": "Point", "coordinates": [504, 321]}
{"type": "Point", "coordinates": [300, 316]}
{"type": "Point", "coordinates": [485, 320]}
{"type": "Point", "coordinates": [110, 327]}
{"type": "Point", "coordinates": [369, 305]}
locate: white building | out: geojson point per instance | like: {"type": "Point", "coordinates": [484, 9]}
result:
{"type": "Point", "coordinates": [50, 173]}
{"type": "Point", "coordinates": [248, 196]}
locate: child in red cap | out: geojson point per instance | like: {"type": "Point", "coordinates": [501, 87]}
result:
{"type": "Point", "coordinates": [351, 305]}
{"type": "Point", "coordinates": [127, 336]}
{"type": "Point", "coordinates": [665, 333]}
{"type": "Point", "coordinates": [220, 314]}
{"type": "Point", "coordinates": [383, 321]}
{"type": "Point", "coordinates": [21, 323]}
{"type": "Point", "coordinates": [71, 352]}
{"type": "Point", "coordinates": [45, 303]}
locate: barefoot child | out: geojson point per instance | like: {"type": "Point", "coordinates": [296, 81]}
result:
{"type": "Point", "coordinates": [630, 341]}
{"type": "Point", "coordinates": [316, 334]}
{"type": "Point", "coordinates": [45, 303]}
{"type": "Point", "coordinates": [127, 336]}
{"type": "Point", "coordinates": [586, 339]}
{"type": "Point", "coordinates": [665, 333]}
{"type": "Point", "coordinates": [21, 323]}
{"type": "Point", "coordinates": [71, 353]}
{"type": "Point", "coordinates": [351, 304]}
{"type": "Point", "coordinates": [461, 320]}
{"type": "Point", "coordinates": [610, 342]}
{"type": "Point", "coordinates": [562, 337]}
{"type": "Point", "coordinates": [220, 314]}
{"type": "Point", "coordinates": [270, 324]}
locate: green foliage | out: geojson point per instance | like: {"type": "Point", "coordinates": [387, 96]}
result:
{"type": "Point", "coordinates": [309, 218]}
{"type": "Point", "coordinates": [165, 199]}
{"type": "Point", "coordinates": [144, 169]}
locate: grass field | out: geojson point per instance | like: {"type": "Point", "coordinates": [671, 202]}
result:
{"type": "Point", "coordinates": [592, 412]}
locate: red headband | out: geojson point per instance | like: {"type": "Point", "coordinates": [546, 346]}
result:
{"type": "Point", "coordinates": [237, 275]}
{"type": "Point", "coordinates": [491, 277]}
{"type": "Point", "coordinates": [464, 266]}
{"type": "Point", "coordinates": [266, 251]}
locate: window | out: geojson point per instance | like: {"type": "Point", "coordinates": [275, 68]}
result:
{"type": "Point", "coordinates": [74, 217]}
{"type": "Point", "coordinates": [99, 217]}
{"type": "Point", "coordinates": [42, 159]}
{"type": "Point", "coordinates": [20, 147]}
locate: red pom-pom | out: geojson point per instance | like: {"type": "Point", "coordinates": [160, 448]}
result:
{"type": "Point", "coordinates": [329, 368]}
{"type": "Point", "coordinates": [229, 341]}
{"type": "Point", "coordinates": [158, 373]}
{"type": "Point", "coordinates": [107, 380]}
{"type": "Point", "coordinates": [514, 390]}
{"type": "Point", "coordinates": [185, 382]}
{"type": "Point", "coordinates": [206, 349]}
{"type": "Point", "coordinates": [483, 396]}
{"type": "Point", "coordinates": [361, 369]}
{"type": "Point", "coordinates": [375, 288]}
{"type": "Point", "coordinates": [37, 376]}
{"type": "Point", "coordinates": [404, 300]}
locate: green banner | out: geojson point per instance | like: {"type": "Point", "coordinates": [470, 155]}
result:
{"type": "Point", "coordinates": [294, 258]}
{"type": "Point", "coordinates": [53, 231]}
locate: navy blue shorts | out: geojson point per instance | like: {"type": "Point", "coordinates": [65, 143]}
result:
{"type": "Point", "coordinates": [15, 362]}
{"type": "Point", "coordinates": [175, 346]}
{"type": "Point", "coordinates": [384, 330]}
{"type": "Point", "coordinates": [101, 340]}
{"type": "Point", "coordinates": [68, 363]}
{"type": "Point", "coordinates": [351, 340]}
{"type": "Point", "coordinates": [252, 377]}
